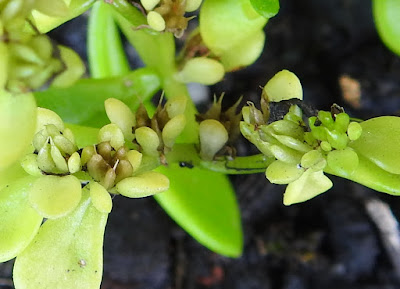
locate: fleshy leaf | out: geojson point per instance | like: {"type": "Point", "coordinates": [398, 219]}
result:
{"type": "Point", "coordinates": [308, 186]}
{"type": "Point", "coordinates": [66, 253]}
{"type": "Point", "coordinates": [226, 23]}
{"type": "Point", "coordinates": [19, 222]}
{"type": "Point", "coordinates": [204, 204]}
{"type": "Point", "coordinates": [379, 142]}
{"type": "Point", "coordinates": [266, 8]}
{"type": "Point", "coordinates": [83, 103]}
{"type": "Point", "coordinates": [345, 160]}
{"type": "Point", "coordinates": [386, 16]}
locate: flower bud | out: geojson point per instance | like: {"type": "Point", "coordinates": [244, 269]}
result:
{"type": "Point", "coordinates": [101, 199]}
{"type": "Point", "coordinates": [143, 185]}
{"type": "Point", "coordinates": [74, 163]}
{"type": "Point", "coordinates": [58, 159]}
{"type": "Point", "coordinates": [149, 4]}
{"type": "Point", "coordinates": [202, 70]}
{"type": "Point", "coordinates": [172, 129]}
{"type": "Point", "coordinates": [283, 86]}
{"type": "Point", "coordinates": [113, 134]}
{"type": "Point", "coordinates": [213, 137]}
{"type": "Point", "coordinates": [156, 21]}
{"type": "Point", "coordinates": [120, 114]}
{"type": "Point", "coordinates": [45, 159]}
{"type": "Point", "coordinates": [87, 154]}
{"type": "Point", "coordinates": [148, 140]}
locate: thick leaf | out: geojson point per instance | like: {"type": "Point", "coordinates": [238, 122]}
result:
{"type": "Point", "coordinates": [66, 253]}
{"type": "Point", "coordinates": [380, 142]}
{"type": "Point", "coordinates": [17, 126]}
{"type": "Point", "coordinates": [386, 15]}
{"type": "Point", "coordinates": [204, 204]}
{"type": "Point", "coordinates": [83, 103]}
{"type": "Point", "coordinates": [11, 174]}
{"type": "Point", "coordinates": [105, 52]}
{"type": "Point", "coordinates": [266, 8]}
{"type": "Point", "coordinates": [226, 23]}
{"type": "Point", "coordinates": [19, 222]}
{"type": "Point", "coordinates": [45, 23]}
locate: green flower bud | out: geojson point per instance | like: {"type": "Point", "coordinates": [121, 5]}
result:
{"type": "Point", "coordinates": [30, 165]}
{"type": "Point", "coordinates": [354, 131]}
{"type": "Point", "coordinates": [74, 163]}
{"type": "Point", "coordinates": [113, 134]}
{"type": "Point", "coordinates": [284, 85]}
{"type": "Point", "coordinates": [120, 114]}
{"type": "Point", "coordinates": [281, 173]}
{"type": "Point", "coordinates": [47, 116]}
{"type": "Point", "coordinates": [176, 106]}
{"type": "Point", "coordinates": [156, 21]}
{"type": "Point", "coordinates": [64, 145]}
{"type": "Point", "coordinates": [192, 5]}
{"type": "Point", "coordinates": [58, 159]}
{"type": "Point", "coordinates": [148, 140]}
{"type": "Point", "coordinates": [213, 137]}
{"type": "Point", "coordinates": [202, 70]}
{"type": "Point", "coordinates": [149, 4]}
{"type": "Point", "coordinates": [172, 129]}
{"type": "Point", "coordinates": [143, 185]}
{"type": "Point", "coordinates": [45, 160]}
{"type": "Point", "coordinates": [135, 159]}
{"type": "Point", "coordinates": [87, 154]}
{"type": "Point", "coordinates": [101, 199]}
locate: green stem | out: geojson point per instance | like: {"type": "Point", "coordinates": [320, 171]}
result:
{"type": "Point", "coordinates": [105, 51]}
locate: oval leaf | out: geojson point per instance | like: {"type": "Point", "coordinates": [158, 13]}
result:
{"type": "Point", "coordinates": [266, 8]}
{"type": "Point", "coordinates": [66, 253]}
{"type": "Point", "coordinates": [204, 204]}
{"type": "Point", "coordinates": [19, 222]}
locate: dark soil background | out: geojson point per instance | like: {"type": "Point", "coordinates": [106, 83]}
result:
{"type": "Point", "coordinates": [332, 241]}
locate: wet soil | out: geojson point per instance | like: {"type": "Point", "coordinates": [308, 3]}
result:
{"type": "Point", "coordinates": [332, 241]}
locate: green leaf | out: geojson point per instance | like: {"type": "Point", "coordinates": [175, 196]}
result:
{"type": "Point", "coordinates": [44, 23]}
{"type": "Point", "coordinates": [386, 16]}
{"type": "Point", "coordinates": [266, 8]}
{"type": "Point", "coordinates": [83, 103]}
{"type": "Point", "coordinates": [379, 142]}
{"type": "Point", "coordinates": [66, 253]}
{"type": "Point", "coordinates": [19, 222]}
{"type": "Point", "coordinates": [84, 136]}
{"type": "Point", "coordinates": [226, 23]}
{"type": "Point", "coordinates": [105, 51]}
{"type": "Point", "coordinates": [204, 204]}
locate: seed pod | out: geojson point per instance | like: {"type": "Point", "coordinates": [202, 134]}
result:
{"type": "Point", "coordinates": [74, 163]}
{"type": "Point", "coordinates": [149, 4]}
{"type": "Point", "coordinates": [120, 114]}
{"type": "Point", "coordinates": [47, 116]}
{"type": "Point", "coordinates": [213, 137]}
{"type": "Point", "coordinates": [148, 140]}
{"type": "Point", "coordinates": [156, 21]}
{"type": "Point", "coordinates": [281, 173]}
{"type": "Point", "coordinates": [143, 185]}
{"type": "Point", "coordinates": [354, 131]}
{"type": "Point", "coordinates": [101, 199]}
{"type": "Point", "coordinates": [172, 129]}
{"type": "Point", "coordinates": [30, 165]}
{"type": "Point", "coordinates": [135, 159]}
{"type": "Point", "coordinates": [54, 197]}
{"type": "Point", "coordinates": [113, 134]}
{"type": "Point", "coordinates": [192, 5]}
{"type": "Point", "coordinates": [283, 86]}
{"type": "Point", "coordinates": [202, 70]}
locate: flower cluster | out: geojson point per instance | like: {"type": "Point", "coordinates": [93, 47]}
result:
{"type": "Point", "coordinates": [29, 59]}
{"type": "Point", "coordinates": [302, 150]}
